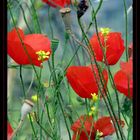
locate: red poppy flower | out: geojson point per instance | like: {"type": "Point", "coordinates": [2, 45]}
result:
{"type": "Point", "coordinates": [86, 125]}
{"type": "Point", "coordinates": [82, 80]}
{"type": "Point", "coordinates": [9, 130]}
{"type": "Point", "coordinates": [123, 79]}
{"type": "Point", "coordinates": [56, 3]}
{"type": "Point", "coordinates": [33, 42]}
{"type": "Point", "coordinates": [114, 47]}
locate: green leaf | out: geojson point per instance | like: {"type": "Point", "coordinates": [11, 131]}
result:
{"type": "Point", "coordinates": [127, 106]}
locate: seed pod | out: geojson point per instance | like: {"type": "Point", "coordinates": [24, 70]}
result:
{"type": "Point", "coordinates": [65, 12]}
{"type": "Point", "coordinates": [26, 108]}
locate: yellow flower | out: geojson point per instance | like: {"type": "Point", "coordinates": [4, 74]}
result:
{"type": "Point", "coordinates": [42, 55]}
{"type": "Point", "coordinates": [46, 84]}
{"type": "Point", "coordinates": [93, 111]}
{"type": "Point", "coordinates": [105, 31]}
{"type": "Point", "coordinates": [94, 97]}
{"type": "Point", "coordinates": [93, 108]}
{"type": "Point", "coordinates": [34, 98]}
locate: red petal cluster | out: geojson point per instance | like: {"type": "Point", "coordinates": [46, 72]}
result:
{"type": "Point", "coordinates": [114, 47]}
{"type": "Point", "coordinates": [32, 42]}
{"type": "Point", "coordinates": [82, 80]}
{"type": "Point", "coordinates": [56, 3]}
{"type": "Point", "coordinates": [123, 78]}
{"type": "Point", "coordinates": [9, 130]}
{"type": "Point", "coordinates": [86, 125]}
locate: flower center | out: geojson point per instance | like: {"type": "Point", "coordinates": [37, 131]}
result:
{"type": "Point", "coordinates": [105, 31]}
{"type": "Point", "coordinates": [99, 133]}
{"type": "Point", "coordinates": [93, 111]}
{"type": "Point", "coordinates": [42, 55]}
{"type": "Point", "coordinates": [94, 97]}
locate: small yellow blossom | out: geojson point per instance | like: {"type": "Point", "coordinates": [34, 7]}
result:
{"type": "Point", "coordinates": [42, 55]}
{"type": "Point", "coordinates": [46, 84]}
{"type": "Point", "coordinates": [93, 108]}
{"type": "Point", "coordinates": [94, 97]}
{"type": "Point", "coordinates": [93, 111]}
{"type": "Point", "coordinates": [105, 31]}
{"type": "Point", "coordinates": [34, 98]}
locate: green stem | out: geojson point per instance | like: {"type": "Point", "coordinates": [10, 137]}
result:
{"type": "Point", "coordinates": [64, 116]}
{"type": "Point", "coordinates": [86, 102]}
{"type": "Point", "coordinates": [73, 50]}
{"type": "Point", "coordinates": [23, 12]}
{"type": "Point", "coordinates": [94, 73]}
{"type": "Point", "coordinates": [130, 126]}
{"type": "Point", "coordinates": [94, 13]}
{"type": "Point", "coordinates": [126, 29]}
{"type": "Point", "coordinates": [41, 119]}
{"type": "Point", "coordinates": [49, 18]}
{"type": "Point", "coordinates": [32, 126]}
{"type": "Point", "coordinates": [25, 98]}
{"type": "Point", "coordinates": [35, 18]}
{"type": "Point", "coordinates": [48, 133]}
{"type": "Point", "coordinates": [22, 83]}
{"type": "Point", "coordinates": [111, 80]}
{"type": "Point", "coordinates": [98, 71]}
{"type": "Point", "coordinates": [65, 49]}
{"type": "Point", "coordinates": [121, 133]}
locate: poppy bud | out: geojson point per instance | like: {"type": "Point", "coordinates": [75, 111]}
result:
{"type": "Point", "coordinates": [25, 109]}
{"type": "Point", "coordinates": [55, 43]}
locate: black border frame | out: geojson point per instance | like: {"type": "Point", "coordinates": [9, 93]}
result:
{"type": "Point", "coordinates": [3, 72]}
{"type": "Point", "coordinates": [136, 70]}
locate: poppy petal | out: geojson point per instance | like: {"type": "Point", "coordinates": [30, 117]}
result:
{"type": "Point", "coordinates": [105, 125]}
{"type": "Point", "coordinates": [55, 3]}
{"type": "Point", "coordinates": [9, 130]}
{"type": "Point", "coordinates": [13, 35]}
{"type": "Point", "coordinates": [18, 54]}
{"type": "Point", "coordinates": [127, 67]}
{"type": "Point", "coordinates": [82, 136]}
{"type": "Point", "coordinates": [122, 83]}
{"type": "Point", "coordinates": [38, 42]}
{"type": "Point", "coordinates": [82, 80]}
{"type": "Point", "coordinates": [114, 47]}
{"type": "Point", "coordinates": [83, 126]}
{"type": "Point", "coordinates": [96, 46]}
{"type": "Point", "coordinates": [85, 121]}
{"type": "Point", "coordinates": [33, 43]}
